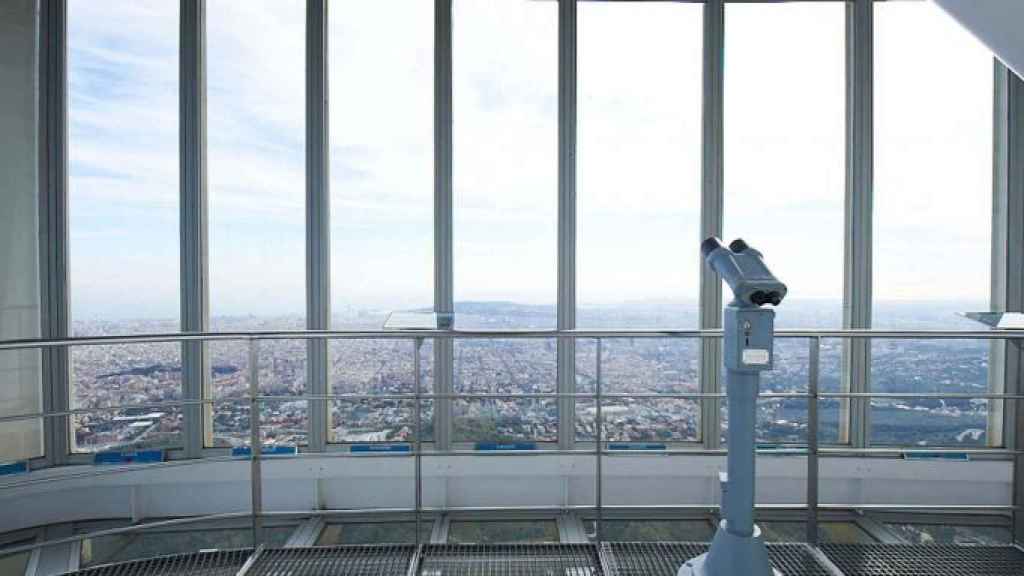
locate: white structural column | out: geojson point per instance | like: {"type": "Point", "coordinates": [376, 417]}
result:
{"type": "Point", "coordinates": [318, 213]}
{"type": "Point", "coordinates": [53, 221]}
{"type": "Point", "coordinates": [712, 215]}
{"type": "Point", "coordinates": [1007, 426]}
{"type": "Point", "coordinates": [855, 425]}
{"type": "Point", "coordinates": [566, 220]}
{"type": "Point", "coordinates": [443, 271]}
{"type": "Point", "coordinates": [195, 297]}
{"type": "Point", "coordinates": [20, 371]}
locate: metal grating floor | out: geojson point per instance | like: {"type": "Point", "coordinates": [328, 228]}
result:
{"type": "Point", "coordinates": [510, 560]}
{"type": "Point", "coordinates": [665, 558]}
{"type": "Point", "coordinates": [914, 560]}
{"type": "Point", "coordinates": [609, 559]}
{"type": "Point", "coordinates": [370, 560]}
{"type": "Point", "coordinates": [217, 563]}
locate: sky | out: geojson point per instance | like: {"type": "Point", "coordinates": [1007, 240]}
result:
{"type": "Point", "coordinates": [638, 165]}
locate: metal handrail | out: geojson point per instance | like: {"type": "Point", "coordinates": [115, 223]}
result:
{"type": "Point", "coordinates": [32, 343]}
{"type": "Point", "coordinates": [812, 451]}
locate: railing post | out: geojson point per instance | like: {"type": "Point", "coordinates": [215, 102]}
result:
{"type": "Point", "coordinates": [417, 345]}
{"type": "Point", "coordinates": [812, 440]}
{"type": "Point", "coordinates": [255, 443]}
{"type": "Point", "coordinates": [598, 451]}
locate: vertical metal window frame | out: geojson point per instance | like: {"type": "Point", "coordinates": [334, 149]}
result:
{"type": "Point", "coordinates": [854, 416]}
{"type": "Point", "coordinates": [567, 117]}
{"type": "Point", "coordinates": [1007, 273]}
{"type": "Point", "coordinates": [318, 213]}
{"type": "Point", "coordinates": [712, 214]}
{"type": "Point", "coordinates": [53, 223]}
{"type": "Point", "coordinates": [193, 206]}
{"type": "Point", "coordinates": [443, 215]}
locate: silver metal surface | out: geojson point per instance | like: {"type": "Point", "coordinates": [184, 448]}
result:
{"type": "Point", "coordinates": [812, 440]}
{"type": "Point", "coordinates": [372, 560]}
{"type": "Point", "coordinates": [214, 563]}
{"type": "Point", "coordinates": [664, 558]}
{"type": "Point", "coordinates": [857, 261]}
{"type": "Point", "coordinates": [193, 207]}
{"type": "Point", "coordinates": [598, 446]}
{"type": "Point", "coordinates": [712, 213]}
{"type": "Point", "coordinates": [53, 222]}
{"type": "Point", "coordinates": [255, 443]}
{"type": "Point", "coordinates": [1006, 426]}
{"type": "Point", "coordinates": [566, 308]}
{"type": "Point", "coordinates": [510, 560]}
{"type": "Point", "coordinates": [444, 295]}
{"type": "Point", "coordinates": [915, 560]}
{"type": "Point", "coordinates": [417, 377]}
{"type": "Point", "coordinates": [318, 210]}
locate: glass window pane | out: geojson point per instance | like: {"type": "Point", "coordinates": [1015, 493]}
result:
{"type": "Point", "coordinates": [652, 530]}
{"type": "Point", "coordinates": [14, 564]}
{"type": "Point", "coordinates": [381, 136]}
{"type": "Point", "coordinates": [829, 532]}
{"type": "Point", "coordinates": [505, 169]}
{"type": "Point", "coordinates": [639, 365]}
{"type": "Point", "coordinates": [784, 182]}
{"type": "Point", "coordinates": [374, 533]}
{"type": "Point", "coordinates": [951, 534]}
{"type": "Point", "coordinates": [638, 188]}
{"type": "Point", "coordinates": [493, 532]}
{"type": "Point", "coordinates": [932, 231]}
{"type": "Point", "coordinates": [136, 545]}
{"type": "Point", "coordinates": [785, 116]}
{"type": "Point", "coordinates": [123, 212]}
{"type": "Point", "coordinates": [256, 138]}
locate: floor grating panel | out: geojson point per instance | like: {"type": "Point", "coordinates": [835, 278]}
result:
{"type": "Point", "coordinates": [609, 559]}
{"type": "Point", "coordinates": [665, 558]}
{"type": "Point", "coordinates": [370, 560]}
{"type": "Point", "coordinates": [216, 563]}
{"type": "Point", "coordinates": [915, 560]}
{"type": "Point", "coordinates": [510, 560]}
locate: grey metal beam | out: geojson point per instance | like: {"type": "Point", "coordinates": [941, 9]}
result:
{"type": "Point", "coordinates": [195, 295]}
{"type": "Point", "coordinates": [1008, 267]}
{"type": "Point", "coordinates": [318, 213]}
{"type": "Point", "coordinates": [444, 301]}
{"type": "Point", "coordinates": [857, 239]}
{"type": "Point", "coordinates": [53, 223]}
{"type": "Point", "coordinates": [567, 116]}
{"type": "Point", "coordinates": [712, 213]}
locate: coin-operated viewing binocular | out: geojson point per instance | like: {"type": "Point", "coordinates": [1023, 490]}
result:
{"type": "Point", "coordinates": [748, 332]}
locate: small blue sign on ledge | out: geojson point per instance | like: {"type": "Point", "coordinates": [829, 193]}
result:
{"type": "Point", "coordinates": [9, 468]}
{"type": "Point", "coordinates": [129, 457]}
{"type": "Point", "coordinates": [281, 450]}
{"type": "Point", "coordinates": [495, 446]}
{"type": "Point", "coordinates": [373, 448]}
{"type": "Point", "coordinates": [947, 456]}
{"type": "Point", "coordinates": [636, 446]}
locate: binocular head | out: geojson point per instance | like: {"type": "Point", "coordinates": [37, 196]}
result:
{"type": "Point", "coordinates": [743, 269]}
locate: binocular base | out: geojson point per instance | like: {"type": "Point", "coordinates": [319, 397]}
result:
{"type": "Point", "coordinates": [732, 555]}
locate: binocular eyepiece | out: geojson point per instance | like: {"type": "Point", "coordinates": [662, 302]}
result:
{"type": "Point", "coordinates": [743, 269]}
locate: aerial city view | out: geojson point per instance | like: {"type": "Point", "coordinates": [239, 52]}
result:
{"type": "Point", "coordinates": [151, 373]}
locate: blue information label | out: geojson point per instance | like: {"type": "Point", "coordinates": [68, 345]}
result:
{"type": "Point", "coordinates": [493, 446]}
{"type": "Point", "coordinates": [636, 446]}
{"type": "Point", "coordinates": [246, 451]}
{"type": "Point", "coordinates": [947, 456]}
{"type": "Point", "coordinates": [128, 457]}
{"type": "Point", "coordinates": [9, 468]}
{"type": "Point", "coordinates": [373, 448]}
